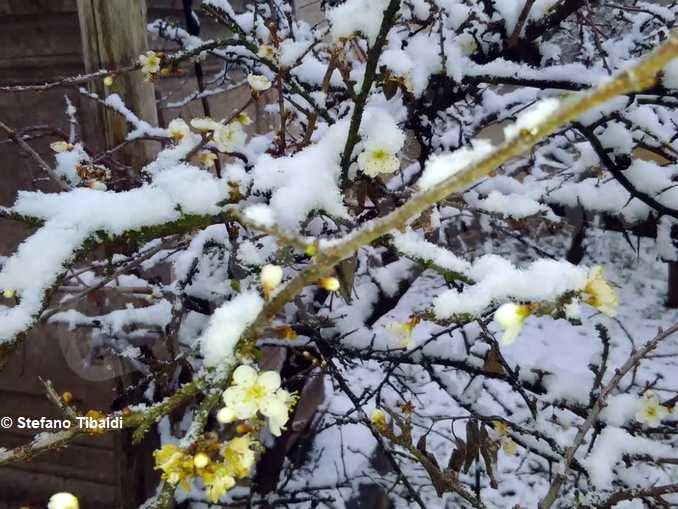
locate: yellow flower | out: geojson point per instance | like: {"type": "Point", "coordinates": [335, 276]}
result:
{"type": "Point", "coordinates": [238, 455]}
{"type": "Point", "coordinates": [218, 482]}
{"type": "Point", "coordinates": [207, 158]}
{"type": "Point", "coordinates": [331, 284]}
{"type": "Point", "coordinates": [509, 446]}
{"type": "Point", "coordinates": [243, 119]}
{"type": "Point", "coordinates": [375, 161]}
{"type": "Point", "coordinates": [254, 392]}
{"type": "Point", "coordinates": [8, 293]}
{"type": "Point", "coordinates": [178, 130]}
{"type": "Point", "coordinates": [230, 137]}
{"type": "Point", "coordinates": [61, 146]}
{"type": "Point", "coordinates": [510, 317]}
{"type": "Point", "coordinates": [268, 52]}
{"type": "Point", "coordinates": [270, 277]}
{"type": "Point", "coordinates": [108, 81]}
{"type": "Point", "coordinates": [250, 390]}
{"type": "Point", "coordinates": [277, 410]}
{"type": "Point", "coordinates": [651, 411]}
{"type": "Point", "coordinates": [403, 331]}
{"type": "Point", "coordinates": [599, 293]}
{"type": "Point", "coordinates": [204, 124]}
{"type": "Point", "coordinates": [175, 464]}
{"type": "Point", "coordinates": [150, 63]}
{"type": "Point", "coordinates": [97, 416]}
{"type": "Point", "coordinates": [63, 501]}
{"type": "Point", "coordinates": [501, 428]}
{"type": "Point", "coordinates": [258, 82]}
{"type": "Point", "coordinates": [378, 419]}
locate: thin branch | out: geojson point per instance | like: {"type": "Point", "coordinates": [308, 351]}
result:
{"type": "Point", "coordinates": [30, 151]}
{"type": "Point", "coordinates": [368, 79]}
{"type": "Point", "coordinates": [515, 36]}
{"type": "Point", "coordinates": [619, 176]}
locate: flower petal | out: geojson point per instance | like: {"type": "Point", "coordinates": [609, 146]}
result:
{"type": "Point", "coordinates": [245, 375]}
{"type": "Point", "coordinates": [270, 380]}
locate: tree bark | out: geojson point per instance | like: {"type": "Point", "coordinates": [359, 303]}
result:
{"type": "Point", "coordinates": [113, 35]}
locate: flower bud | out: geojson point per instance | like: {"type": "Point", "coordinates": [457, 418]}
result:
{"type": "Point", "coordinates": [63, 501]}
{"type": "Point", "coordinates": [331, 284]}
{"type": "Point", "coordinates": [271, 276]}
{"type": "Point", "coordinates": [378, 419]}
{"type": "Point", "coordinates": [225, 415]}
{"type": "Point", "coordinates": [201, 460]}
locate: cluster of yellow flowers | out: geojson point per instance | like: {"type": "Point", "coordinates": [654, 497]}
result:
{"type": "Point", "coordinates": [91, 175]}
{"type": "Point", "coordinates": [218, 465]}
{"type": "Point", "coordinates": [253, 393]}
{"type": "Point", "coordinates": [226, 137]}
{"type": "Point", "coordinates": [597, 292]}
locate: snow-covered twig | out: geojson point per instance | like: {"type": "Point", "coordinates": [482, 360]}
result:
{"type": "Point", "coordinates": [630, 364]}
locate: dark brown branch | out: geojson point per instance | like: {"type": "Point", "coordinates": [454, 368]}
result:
{"type": "Point", "coordinates": [618, 173]}
{"type": "Point", "coordinates": [370, 74]}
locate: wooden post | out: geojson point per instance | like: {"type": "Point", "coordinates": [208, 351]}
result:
{"type": "Point", "coordinates": [672, 297]}
{"type": "Point", "coordinates": [673, 285]}
{"type": "Point", "coordinates": [113, 34]}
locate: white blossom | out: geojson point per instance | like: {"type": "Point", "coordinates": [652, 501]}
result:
{"type": "Point", "coordinates": [178, 129]}
{"type": "Point", "coordinates": [510, 317]}
{"type": "Point", "coordinates": [230, 137]}
{"type": "Point", "coordinates": [150, 62]}
{"type": "Point", "coordinates": [258, 82]}
{"type": "Point", "coordinates": [377, 161]}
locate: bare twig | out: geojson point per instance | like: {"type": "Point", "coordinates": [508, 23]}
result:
{"type": "Point", "coordinates": [30, 151]}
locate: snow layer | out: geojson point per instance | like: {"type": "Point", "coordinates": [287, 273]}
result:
{"type": "Point", "coordinates": [73, 217]}
{"type": "Point", "coordinates": [305, 181]}
{"type": "Point", "coordinates": [611, 445]}
{"type": "Point", "coordinates": [498, 280]}
{"type": "Point", "coordinates": [357, 16]}
{"type": "Point", "coordinates": [225, 327]}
